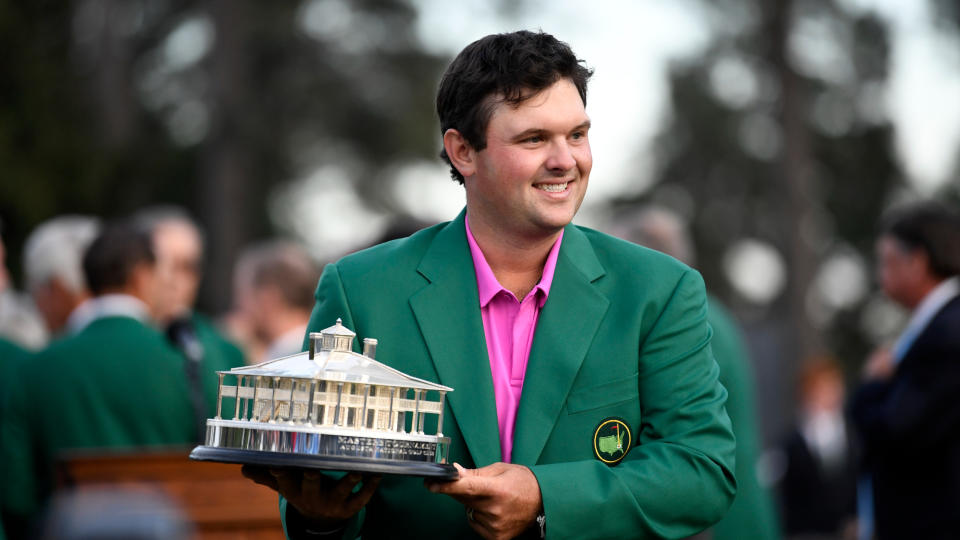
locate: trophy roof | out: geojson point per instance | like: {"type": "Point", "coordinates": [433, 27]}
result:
{"type": "Point", "coordinates": [338, 329]}
{"type": "Point", "coordinates": [337, 365]}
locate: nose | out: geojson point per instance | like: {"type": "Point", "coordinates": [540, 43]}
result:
{"type": "Point", "coordinates": [561, 158]}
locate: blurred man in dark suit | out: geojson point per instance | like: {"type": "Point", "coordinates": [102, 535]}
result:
{"type": "Point", "coordinates": [907, 411]}
{"type": "Point", "coordinates": [178, 244]}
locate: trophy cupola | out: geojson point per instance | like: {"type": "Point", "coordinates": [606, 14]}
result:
{"type": "Point", "coordinates": [336, 338]}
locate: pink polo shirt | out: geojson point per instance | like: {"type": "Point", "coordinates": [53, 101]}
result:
{"type": "Point", "coordinates": [508, 325]}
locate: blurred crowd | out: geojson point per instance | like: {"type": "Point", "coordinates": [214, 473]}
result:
{"type": "Point", "coordinates": [104, 348]}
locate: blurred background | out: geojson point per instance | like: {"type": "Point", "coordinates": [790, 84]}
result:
{"type": "Point", "coordinates": [780, 131]}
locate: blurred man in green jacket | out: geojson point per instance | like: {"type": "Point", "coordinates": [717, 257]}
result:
{"type": "Point", "coordinates": [115, 383]}
{"type": "Point", "coordinates": [752, 514]}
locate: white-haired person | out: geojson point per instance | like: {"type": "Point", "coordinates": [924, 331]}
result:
{"type": "Point", "coordinates": [53, 267]}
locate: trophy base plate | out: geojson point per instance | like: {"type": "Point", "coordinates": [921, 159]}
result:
{"type": "Point", "coordinates": [437, 471]}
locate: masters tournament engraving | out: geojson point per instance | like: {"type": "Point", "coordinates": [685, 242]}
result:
{"type": "Point", "coordinates": [329, 408]}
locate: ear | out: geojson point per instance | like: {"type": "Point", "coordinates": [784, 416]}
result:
{"type": "Point", "coordinates": [923, 265]}
{"type": "Point", "coordinates": [142, 283]}
{"type": "Point", "coordinates": [461, 154]}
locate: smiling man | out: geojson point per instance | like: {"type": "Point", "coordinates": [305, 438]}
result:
{"type": "Point", "coordinates": [557, 339]}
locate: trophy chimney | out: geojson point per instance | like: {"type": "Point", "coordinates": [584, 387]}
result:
{"type": "Point", "coordinates": [370, 347]}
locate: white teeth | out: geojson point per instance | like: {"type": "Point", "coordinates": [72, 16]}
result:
{"type": "Point", "coordinates": [553, 188]}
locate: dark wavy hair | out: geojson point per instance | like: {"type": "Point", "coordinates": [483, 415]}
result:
{"type": "Point", "coordinates": [932, 227]}
{"type": "Point", "coordinates": [510, 67]}
{"type": "Point", "coordinates": [111, 258]}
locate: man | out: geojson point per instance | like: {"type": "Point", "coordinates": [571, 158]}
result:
{"type": "Point", "coordinates": [178, 245]}
{"type": "Point", "coordinates": [19, 323]}
{"type": "Point", "coordinates": [586, 400]}
{"type": "Point", "coordinates": [752, 513]}
{"type": "Point", "coordinates": [907, 411]}
{"type": "Point", "coordinates": [52, 265]}
{"type": "Point", "coordinates": [274, 283]}
{"type": "Point", "coordinates": [116, 383]}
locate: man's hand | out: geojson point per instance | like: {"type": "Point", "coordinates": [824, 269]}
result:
{"type": "Point", "coordinates": [880, 365]}
{"type": "Point", "coordinates": [502, 499]}
{"type": "Point", "coordinates": [316, 496]}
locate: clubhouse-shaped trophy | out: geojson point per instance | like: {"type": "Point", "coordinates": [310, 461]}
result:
{"type": "Point", "coordinates": [328, 408]}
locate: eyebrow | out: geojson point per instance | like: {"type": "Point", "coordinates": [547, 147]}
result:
{"type": "Point", "coordinates": [533, 131]}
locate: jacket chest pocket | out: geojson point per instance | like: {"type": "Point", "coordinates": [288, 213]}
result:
{"type": "Point", "coordinates": [616, 394]}
{"type": "Point", "coordinates": [587, 407]}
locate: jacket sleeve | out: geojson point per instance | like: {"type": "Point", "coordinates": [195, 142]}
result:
{"type": "Point", "coordinates": [915, 408]}
{"type": "Point", "coordinates": [679, 479]}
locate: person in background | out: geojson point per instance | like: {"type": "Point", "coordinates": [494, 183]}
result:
{"type": "Point", "coordinates": [275, 283]}
{"type": "Point", "coordinates": [52, 264]}
{"type": "Point", "coordinates": [20, 325]}
{"type": "Point", "coordinates": [12, 351]}
{"type": "Point", "coordinates": [907, 410]}
{"type": "Point", "coordinates": [116, 383]}
{"type": "Point", "coordinates": [752, 514]}
{"type": "Point", "coordinates": [818, 487]}
{"type": "Point", "coordinates": [178, 245]}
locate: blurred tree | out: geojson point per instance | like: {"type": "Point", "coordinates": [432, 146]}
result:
{"type": "Point", "coordinates": [108, 105]}
{"type": "Point", "coordinates": [778, 135]}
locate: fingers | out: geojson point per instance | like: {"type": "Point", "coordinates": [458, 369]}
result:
{"type": "Point", "coordinates": [479, 524]}
{"type": "Point", "coordinates": [469, 486]}
{"type": "Point", "coordinates": [504, 498]}
{"type": "Point", "coordinates": [464, 471]}
{"type": "Point", "coordinates": [288, 482]}
{"type": "Point", "coordinates": [343, 488]}
{"type": "Point", "coordinates": [359, 499]}
{"type": "Point", "coordinates": [312, 485]}
{"type": "Point", "coordinates": [260, 475]}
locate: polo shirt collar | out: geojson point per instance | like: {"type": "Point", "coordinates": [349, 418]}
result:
{"type": "Point", "coordinates": [488, 286]}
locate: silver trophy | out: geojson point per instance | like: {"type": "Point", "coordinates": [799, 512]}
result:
{"type": "Point", "coordinates": [328, 408]}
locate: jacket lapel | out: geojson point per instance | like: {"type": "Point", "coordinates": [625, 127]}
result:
{"type": "Point", "coordinates": [565, 329]}
{"type": "Point", "coordinates": [448, 313]}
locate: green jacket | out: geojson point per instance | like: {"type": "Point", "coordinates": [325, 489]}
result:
{"type": "Point", "coordinates": [12, 356]}
{"type": "Point", "coordinates": [219, 354]}
{"type": "Point", "coordinates": [752, 514]}
{"type": "Point", "coordinates": [115, 384]}
{"type": "Point", "coordinates": [623, 334]}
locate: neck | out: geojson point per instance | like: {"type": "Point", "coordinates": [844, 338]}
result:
{"type": "Point", "coordinates": [285, 321]}
{"type": "Point", "coordinates": [923, 290]}
{"type": "Point", "coordinates": [517, 262]}
{"type": "Point", "coordinates": [126, 291]}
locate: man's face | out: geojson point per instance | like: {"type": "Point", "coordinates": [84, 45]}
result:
{"type": "Point", "coordinates": [55, 301]}
{"type": "Point", "coordinates": [178, 249]}
{"type": "Point", "coordinates": [900, 271]}
{"type": "Point", "coordinates": [531, 178]}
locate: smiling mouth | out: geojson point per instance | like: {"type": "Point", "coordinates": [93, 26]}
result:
{"type": "Point", "coordinates": [552, 188]}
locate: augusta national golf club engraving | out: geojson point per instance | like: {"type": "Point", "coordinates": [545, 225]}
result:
{"type": "Point", "coordinates": [328, 408]}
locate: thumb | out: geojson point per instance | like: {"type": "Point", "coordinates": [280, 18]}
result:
{"type": "Point", "coordinates": [494, 469]}
{"type": "Point", "coordinates": [464, 472]}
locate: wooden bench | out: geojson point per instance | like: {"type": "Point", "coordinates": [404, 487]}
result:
{"type": "Point", "coordinates": [215, 497]}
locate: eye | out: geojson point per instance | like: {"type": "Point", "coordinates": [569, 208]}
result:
{"type": "Point", "coordinates": [533, 139]}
